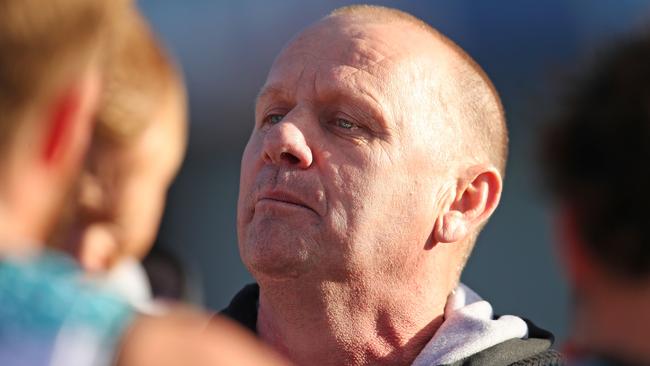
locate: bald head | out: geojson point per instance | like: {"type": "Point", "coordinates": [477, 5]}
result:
{"type": "Point", "coordinates": [471, 100]}
{"type": "Point", "coordinates": [392, 137]}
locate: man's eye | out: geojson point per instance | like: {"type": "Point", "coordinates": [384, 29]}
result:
{"type": "Point", "coordinates": [343, 123]}
{"type": "Point", "coordinates": [274, 118]}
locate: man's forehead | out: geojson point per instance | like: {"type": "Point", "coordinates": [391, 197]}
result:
{"type": "Point", "coordinates": [352, 44]}
{"type": "Point", "coordinates": [356, 44]}
{"type": "Point", "coordinates": [319, 71]}
{"type": "Point", "coordinates": [391, 70]}
{"type": "Point", "coordinates": [339, 51]}
{"type": "Point", "coordinates": [360, 45]}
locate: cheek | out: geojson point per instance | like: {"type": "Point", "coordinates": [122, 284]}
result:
{"type": "Point", "coordinates": [349, 182]}
{"type": "Point", "coordinates": [138, 210]}
{"type": "Point", "coordinates": [250, 163]}
{"type": "Point", "coordinates": [380, 191]}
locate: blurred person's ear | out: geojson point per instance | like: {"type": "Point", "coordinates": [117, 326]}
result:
{"type": "Point", "coordinates": [98, 249]}
{"type": "Point", "coordinates": [48, 151]}
{"type": "Point", "coordinates": [475, 198]}
{"type": "Point", "coordinates": [68, 123]}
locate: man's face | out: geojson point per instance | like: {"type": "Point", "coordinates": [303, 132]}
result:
{"type": "Point", "coordinates": [343, 173]}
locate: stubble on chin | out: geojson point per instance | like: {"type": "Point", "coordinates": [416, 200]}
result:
{"type": "Point", "coordinates": [274, 249]}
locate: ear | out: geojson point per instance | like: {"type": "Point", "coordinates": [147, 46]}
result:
{"type": "Point", "coordinates": [68, 120]}
{"type": "Point", "coordinates": [476, 196]}
{"type": "Point", "coordinates": [59, 123]}
{"type": "Point", "coordinates": [98, 248]}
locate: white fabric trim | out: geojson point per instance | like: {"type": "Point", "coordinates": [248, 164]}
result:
{"type": "Point", "coordinates": [129, 280]}
{"type": "Point", "coordinates": [80, 347]}
{"type": "Point", "coordinates": [468, 328]}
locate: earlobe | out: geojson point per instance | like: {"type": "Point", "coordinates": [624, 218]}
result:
{"type": "Point", "coordinates": [476, 198]}
{"type": "Point", "coordinates": [450, 227]}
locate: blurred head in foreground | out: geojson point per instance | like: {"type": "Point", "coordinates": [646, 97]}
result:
{"type": "Point", "coordinates": [50, 82]}
{"type": "Point", "coordinates": [135, 152]}
{"type": "Point", "coordinates": [49, 86]}
{"type": "Point", "coordinates": [597, 155]}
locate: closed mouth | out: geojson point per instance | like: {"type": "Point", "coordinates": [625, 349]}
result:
{"type": "Point", "coordinates": [286, 202]}
{"type": "Point", "coordinates": [284, 199]}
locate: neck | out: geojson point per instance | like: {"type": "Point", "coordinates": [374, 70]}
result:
{"type": "Point", "coordinates": [334, 323]}
{"type": "Point", "coordinates": [15, 236]}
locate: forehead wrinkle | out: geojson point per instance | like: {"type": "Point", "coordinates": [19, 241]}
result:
{"type": "Point", "coordinates": [288, 87]}
{"type": "Point", "coordinates": [324, 68]}
{"type": "Point", "coordinates": [357, 48]}
{"type": "Point", "coordinates": [362, 50]}
{"type": "Point", "coordinates": [279, 88]}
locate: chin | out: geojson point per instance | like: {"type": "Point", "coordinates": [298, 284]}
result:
{"type": "Point", "coordinates": [264, 266]}
{"type": "Point", "coordinates": [264, 271]}
{"type": "Point", "coordinates": [276, 254]}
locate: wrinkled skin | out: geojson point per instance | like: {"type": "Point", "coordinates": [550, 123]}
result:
{"type": "Point", "coordinates": [343, 176]}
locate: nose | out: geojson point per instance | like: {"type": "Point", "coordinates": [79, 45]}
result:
{"type": "Point", "coordinates": [285, 144]}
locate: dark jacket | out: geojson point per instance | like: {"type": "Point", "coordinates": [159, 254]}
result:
{"type": "Point", "coordinates": [533, 351]}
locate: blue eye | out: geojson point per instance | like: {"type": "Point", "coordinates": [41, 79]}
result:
{"type": "Point", "coordinates": [274, 118]}
{"type": "Point", "coordinates": [340, 122]}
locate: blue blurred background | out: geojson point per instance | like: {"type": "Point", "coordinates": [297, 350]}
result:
{"type": "Point", "coordinates": [526, 47]}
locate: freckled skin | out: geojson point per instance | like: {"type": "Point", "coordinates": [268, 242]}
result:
{"type": "Point", "coordinates": [368, 183]}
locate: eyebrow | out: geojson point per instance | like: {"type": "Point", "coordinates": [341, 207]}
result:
{"type": "Point", "coordinates": [271, 91]}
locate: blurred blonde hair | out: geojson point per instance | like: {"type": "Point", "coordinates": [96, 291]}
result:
{"type": "Point", "coordinates": [41, 44]}
{"type": "Point", "coordinates": [138, 77]}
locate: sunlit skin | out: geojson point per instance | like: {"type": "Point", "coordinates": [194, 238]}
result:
{"type": "Point", "coordinates": [353, 205]}
{"type": "Point", "coordinates": [331, 135]}
{"type": "Point", "coordinates": [122, 190]}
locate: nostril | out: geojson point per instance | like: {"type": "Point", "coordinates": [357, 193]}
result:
{"type": "Point", "coordinates": [290, 158]}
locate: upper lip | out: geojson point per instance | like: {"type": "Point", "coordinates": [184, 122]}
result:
{"type": "Point", "coordinates": [285, 196]}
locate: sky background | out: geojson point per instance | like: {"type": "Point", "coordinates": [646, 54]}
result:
{"type": "Point", "coordinates": [530, 49]}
